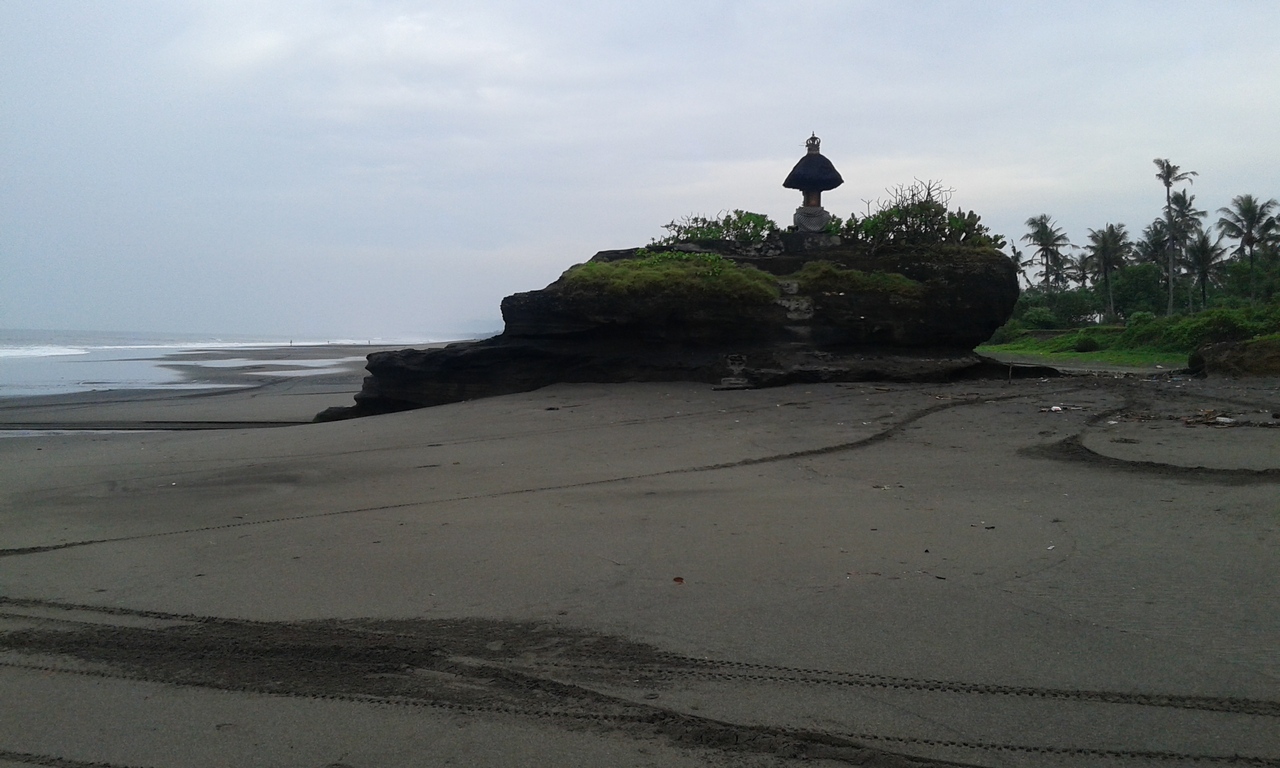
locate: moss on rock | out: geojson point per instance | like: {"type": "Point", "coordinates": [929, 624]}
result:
{"type": "Point", "coordinates": [672, 274]}
{"type": "Point", "coordinates": [826, 277]}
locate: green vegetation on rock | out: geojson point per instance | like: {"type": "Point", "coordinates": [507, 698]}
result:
{"type": "Point", "coordinates": [913, 215]}
{"type": "Point", "coordinates": [673, 274]}
{"type": "Point", "coordinates": [819, 277]}
{"type": "Point", "coordinates": [916, 215]}
{"type": "Point", "coordinates": [739, 226]}
{"type": "Point", "coordinates": [712, 276]}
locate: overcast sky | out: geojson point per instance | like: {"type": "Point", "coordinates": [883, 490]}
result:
{"type": "Point", "coordinates": [387, 169]}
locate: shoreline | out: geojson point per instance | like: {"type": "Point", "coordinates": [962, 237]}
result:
{"type": "Point", "coordinates": [205, 372]}
{"type": "Point", "coordinates": [262, 386]}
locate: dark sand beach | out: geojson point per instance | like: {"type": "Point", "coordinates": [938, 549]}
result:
{"type": "Point", "coordinates": [1079, 571]}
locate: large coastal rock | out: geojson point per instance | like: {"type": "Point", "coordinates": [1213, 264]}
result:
{"type": "Point", "coordinates": [1259, 357]}
{"type": "Point", "coordinates": [827, 312]}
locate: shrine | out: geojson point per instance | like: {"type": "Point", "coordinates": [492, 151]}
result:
{"type": "Point", "coordinates": [813, 175]}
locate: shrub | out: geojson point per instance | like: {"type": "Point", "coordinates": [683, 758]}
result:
{"type": "Point", "coordinates": [1070, 308]}
{"type": "Point", "coordinates": [1186, 333]}
{"type": "Point", "coordinates": [739, 226]}
{"type": "Point", "coordinates": [1211, 326]}
{"type": "Point", "coordinates": [1138, 288]}
{"type": "Point", "coordinates": [917, 215]}
{"type": "Point", "coordinates": [1040, 317]}
{"type": "Point", "coordinates": [673, 274]}
{"type": "Point", "coordinates": [1007, 333]}
{"type": "Point", "coordinates": [1138, 319]}
{"type": "Point", "coordinates": [1085, 343]}
{"type": "Point", "coordinates": [1263, 279]}
{"type": "Point", "coordinates": [1075, 307]}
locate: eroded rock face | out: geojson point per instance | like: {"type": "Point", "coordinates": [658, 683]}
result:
{"type": "Point", "coordinates": [963, 296]}
{"type": "Point", "coordinates": [920, 325]}
{"type": "Point", "coordinates": [1260, 357]}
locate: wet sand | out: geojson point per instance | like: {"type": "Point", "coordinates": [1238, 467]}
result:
{"type": "Point", "coordinates": [656, 574]}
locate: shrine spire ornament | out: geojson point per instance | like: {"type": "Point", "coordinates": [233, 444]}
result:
{"type": "Point", "coordinates": [813, 175]}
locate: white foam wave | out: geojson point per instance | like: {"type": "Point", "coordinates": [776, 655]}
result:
{"type": "Point", "coordinates": [41, 351]}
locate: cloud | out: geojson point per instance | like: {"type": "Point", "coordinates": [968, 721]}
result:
{"type": "Point", "coordinates": [354, 61]}
{"type": "Point", "coordinates": [423, 138]}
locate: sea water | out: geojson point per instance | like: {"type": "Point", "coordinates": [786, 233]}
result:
{"type": "Point", "coordinates": [41, 362]}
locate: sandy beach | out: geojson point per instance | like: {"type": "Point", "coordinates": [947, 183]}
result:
{"type": "Point", "coordinates": [1074, 571]}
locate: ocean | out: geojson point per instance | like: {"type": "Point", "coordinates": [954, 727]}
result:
{"type": "Point", "coordinates": [39, 362]}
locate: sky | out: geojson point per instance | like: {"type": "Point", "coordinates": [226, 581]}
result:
{"type": "Point", "coordinates": [384, 169]}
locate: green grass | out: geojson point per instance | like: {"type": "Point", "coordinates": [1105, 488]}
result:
{"type": "Point", "coordinates": [1186, 333]}
{"type": "Point", "coordinates": [1103, 345]}
{"type": "Point", "coordinates": [817, 277]}
{"type": "Point", "coordinates": [1127, 358]}
{"type": "Point", "coordinates": [1146, 341]}
{"type": "Point", "coordinates": [673, 275]}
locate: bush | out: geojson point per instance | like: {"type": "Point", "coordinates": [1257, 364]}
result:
{"type": "Point", "coordinates": [1040, 317]}
{"type": "Point", "coordinates": [1085, 343]}
{"type": "Point", "coordinates": [673, 274]}
{"type": "Point", "coordinates": [1074, 307]}
{"type": "Point", "coordinates": [738, 226]}
{"type": "Point", "coordinates": [1138, 319]}
{"type": "Point", "coordinates": [917, 215]}
{"type": "Point", "coordinates": [1139, 288]}
{"type": "Point", "coordinates": [1186, 333]}
{"type": "Point", "coordinates": [1008, 333]}
{"type": "Point", "coordinates": [1211, 326]}
{"type": "Point", "coordinates": [1069, 309]}
{"type": "Point", "coordinates": [1265, 277]}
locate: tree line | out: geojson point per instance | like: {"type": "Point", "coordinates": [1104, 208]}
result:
{"type": "Point", "coordinates": [1179, 262]}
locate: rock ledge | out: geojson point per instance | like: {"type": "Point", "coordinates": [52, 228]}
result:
{"type": "Point", "coordinates": [902, 315]}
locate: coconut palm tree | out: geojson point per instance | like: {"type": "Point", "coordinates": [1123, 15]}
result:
{"type": "Point", "coordinates": [1186, 225]}
{"type": "Point", "coordinates": [1107, 251]}
{"type": "Point", "coordinates": [1073, 268]}
{"type": "Point", "coordinates": [1154, 245]}
{"type": "Point", "coordinates": [1204, 257]}
{"type": "Point", "coordinates": [1251, 223]}
{"type": "Point", "coordinates": [1020, 262]}
{"type": "Point", "coordinates": [1187, 218]}
{"type": "Point", "coordinates": [1170, 174]}
{"type": "Point", "coordinates": [1049, 240]}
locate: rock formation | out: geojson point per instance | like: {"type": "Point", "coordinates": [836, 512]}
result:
{"type": "Point", "coordinates": [797, 308]}
{"type": "Point", "coordinates": [1259, 357]}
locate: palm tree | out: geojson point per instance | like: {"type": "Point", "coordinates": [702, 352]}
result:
{"type": "Point", "coordinates": [1170, 174]}
{"type": "Point", "coordinates": [1251, 223]}
{"type": "Point", "coordinates": [1154, 245]}
{"type": "Point", "coordinates": [1204, 257]}
{"type": "Point", "coordinates": [1020, 263]}
{"type": "Point", "coordinates": [1073, 269]}
{"type": "Point", "coordinates": [1049, 240]}
{"type": "Point", "coordinates": [1186, 218]}
{"type": "Point", "coordinates": [1107, 251]}
{"type": "Point", "coordinates": [1186, 225]}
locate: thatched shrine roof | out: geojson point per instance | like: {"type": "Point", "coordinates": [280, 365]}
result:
{"type": "Point", "coordinates": [814, 173]}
